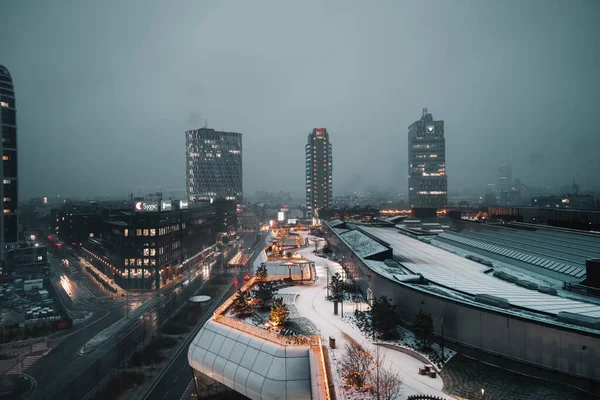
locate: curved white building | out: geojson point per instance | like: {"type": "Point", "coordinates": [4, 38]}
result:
{"type": "Point", "coordinates": [225, 359]}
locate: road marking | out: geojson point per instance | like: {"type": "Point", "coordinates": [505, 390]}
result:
{"type": "Point", "coordinates": [177, 377]}
{"type": "Point", "coordinates": [166, 394]}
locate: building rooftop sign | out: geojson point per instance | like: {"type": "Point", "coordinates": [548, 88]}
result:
{"type": "Point", "coordinates": [146, 206]}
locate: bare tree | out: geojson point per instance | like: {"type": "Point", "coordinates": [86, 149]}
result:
{"type": "Point", "coordinates": [385, 384]}
{"type": "Point", "coordinates": [356, 365]}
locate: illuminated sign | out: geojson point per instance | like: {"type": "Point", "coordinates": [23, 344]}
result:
{"type": "Point", "coordinates": [166, 206]}
{"type": "Point", "coordinates": [146, 206]}
{"type": "Point", "coordinates": [183, 204]}
{"type": "Point", "coordinates": [429, 128]}
{"type": "Point", "coordinates": [280, 216]}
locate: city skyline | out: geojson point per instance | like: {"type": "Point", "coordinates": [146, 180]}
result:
{"type": "Point", "coordinates": [498, 83]}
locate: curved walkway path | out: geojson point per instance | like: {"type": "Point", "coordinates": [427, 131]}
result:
{"type": "Point", "coordinates": [312, 304]}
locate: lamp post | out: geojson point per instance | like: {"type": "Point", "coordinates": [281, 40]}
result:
{"type": "Point", "coordinates": [327, 267]}
{"type": "Point", "coordinates": [343, 281]}
{"type": "Point", "coordinates": [482, 394]}
{"type": "Point", "coordinates": [442, 321]}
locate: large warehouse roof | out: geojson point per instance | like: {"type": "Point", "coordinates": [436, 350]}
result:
{"type": "Point", "coordinates": [467, 276]}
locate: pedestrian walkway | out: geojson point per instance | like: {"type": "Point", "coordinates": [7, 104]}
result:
{"type": "Point", "coordinates": [312, 304]}
{"type": "Point", "coordinates": [24, 364]}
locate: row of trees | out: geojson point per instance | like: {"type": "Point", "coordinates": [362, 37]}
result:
{"type": "Point", "coordinates": [364, 370]}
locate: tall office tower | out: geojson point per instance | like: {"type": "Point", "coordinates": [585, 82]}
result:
{"type": "Point", "coordinates": [505, 178]}
{"type": "Point", "coordinates": [427, 180]}
{"type": "Point", "coordinates": [504, 184]}
{"type": "Point", "coordinates": [319, 168]}
{"type": "Point", "coordinates": [214, 165]}
{"type": "Point", "coordinates": [9, 222]}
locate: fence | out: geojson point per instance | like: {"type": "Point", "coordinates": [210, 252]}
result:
{"type": "Point", "coordinates": [424, 397]}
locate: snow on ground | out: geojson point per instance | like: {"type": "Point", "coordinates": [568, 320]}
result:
{"type": "Point", "coordinates": [312, 304]}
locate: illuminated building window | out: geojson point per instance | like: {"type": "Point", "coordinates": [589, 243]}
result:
{"type": "Point", "coordinates": [7, 210]}
{"type": "Point", "coordinates": [5, 158]}
{"type": "Point", "coordinates": [6, 181]}
{"type": "Point", "coordinates": [146, 262]}
{"type": "Point", "coordinates": [153, 262]}
{"type": "Point", "coordinates": [138, 232]}
{"type": "Point", "coordinates": [126, 232]}
{"type": "Point", "coordinates": [132, 261]}
{"type": "Point", "coordinates": [152, 232]}
{"type": "Point", "coordinates": [126, 262]}
{"type": "Point", "coordinates": [145, 232]}
{"type": "Point", "coordinates": [152, 252]}
{"type": "Point", "coordinates": [139, 262]}
{"type": "Point", "coordinates": [146, 252]}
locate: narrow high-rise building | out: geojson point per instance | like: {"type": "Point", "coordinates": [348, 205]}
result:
{"type": "Point", "coordinates": [9, 222]}
{"type": "Point", "coordinates": [427, 179]}
{"type": "Point", "coordinates": [319, 167]}
{"type": "Point", "coordinates": [505, 178]}
{"type": "Point", "coordinates": [505, 184]}
{"type": "Point", "coordinates": [214, 165]}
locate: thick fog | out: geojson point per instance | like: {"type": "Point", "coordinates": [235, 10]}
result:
{"type": "Point", "coordinates": [106, 89]}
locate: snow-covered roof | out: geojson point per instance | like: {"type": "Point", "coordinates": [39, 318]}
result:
{"type": "Point", "coordinates": [467, 276]}
{"type": "Point", "coordinates": [362, 244]}
{"type": "Point", "coordinates": [249, 365]}
{"type": "Point", "coordinates": [335, 222]}
{"type": "Point", "coordinates": [339, 231]}
{"type": "Point", "coordinates": [384, 269]}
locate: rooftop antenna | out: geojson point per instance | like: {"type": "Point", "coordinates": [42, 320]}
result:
{"type": "Point", "coordinates": [205, 123]}
{"type": "Point", "coordinates": [425, 112]}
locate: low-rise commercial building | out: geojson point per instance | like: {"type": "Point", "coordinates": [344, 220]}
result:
{"type": "Point", "coordinates": [144, 246]}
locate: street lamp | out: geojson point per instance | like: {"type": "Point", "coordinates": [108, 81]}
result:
{"type": "Point", "coordinates": [442, 321]}
{"type": "Point", "coordinates": [482, 394]}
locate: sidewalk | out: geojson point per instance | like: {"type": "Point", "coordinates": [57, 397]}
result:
{"type": "Point", "coordinates": [312, 304]}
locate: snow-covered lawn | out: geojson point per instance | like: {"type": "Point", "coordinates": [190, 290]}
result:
{"type": "Point", "coordinates": [312, 304]}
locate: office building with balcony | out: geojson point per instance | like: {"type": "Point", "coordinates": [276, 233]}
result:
{"type": "Point", "coordinates": [427, 179]}
{"type": "Point", "coordinates": [319, 168]}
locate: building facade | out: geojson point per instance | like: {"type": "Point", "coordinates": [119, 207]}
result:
{"type": "Point", "coordinates": [427, 179]}
{"type": "Point", "coordinates": [9, 223]}
{"type": "Point", "coordinates": [319, 168]}
{"type": "Point", "coordinates": [214, 165]}
{"type": "Point", "coordinates": [145, 247]}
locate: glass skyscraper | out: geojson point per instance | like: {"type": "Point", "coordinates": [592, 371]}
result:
{"type": "Point", "coordinates": [319, 168]}
{"type": "Point", "coordinates": [214, 165]}
{"type": "Point", "coordinates": [9, 225]}
{"type": "Point", "coordinates": [427, 179]}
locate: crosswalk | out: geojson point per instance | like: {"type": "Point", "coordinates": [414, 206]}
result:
{"type": "Point", "coordinates": [23, 365]}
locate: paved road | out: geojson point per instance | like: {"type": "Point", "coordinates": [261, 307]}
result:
{"type": "Point", "coordinates": [79, 374]}
{"type": "Point", "coordinates": [175, 380]}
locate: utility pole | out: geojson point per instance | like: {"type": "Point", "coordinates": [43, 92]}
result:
{"type": "Point", "coordinates": [442, 321]}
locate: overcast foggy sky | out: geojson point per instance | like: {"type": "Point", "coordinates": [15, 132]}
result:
{"type": "Point", "coordinates": [106, 89]}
